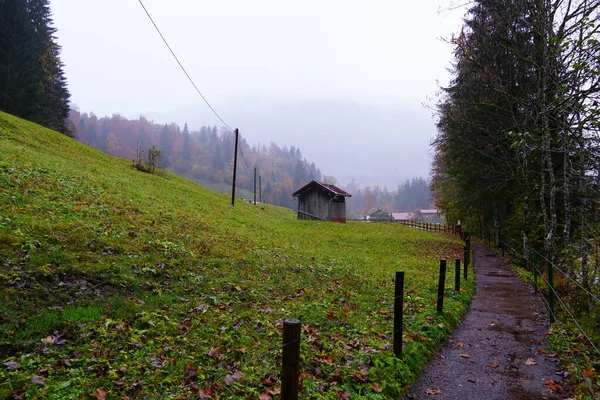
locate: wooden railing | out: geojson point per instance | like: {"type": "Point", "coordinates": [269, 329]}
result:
{"type": "Point", "coordinates": [431, 226]}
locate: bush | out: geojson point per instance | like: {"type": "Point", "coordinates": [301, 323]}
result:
{"type": "Point", "coordinates": [150, 161]}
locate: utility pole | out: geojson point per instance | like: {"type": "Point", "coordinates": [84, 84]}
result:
{"type": "Point", "coordinates": [237, 133]}
{"type": "Point", "coordinates": [254, 185]}
{"type": "Point", "coordinates": [259, 189]}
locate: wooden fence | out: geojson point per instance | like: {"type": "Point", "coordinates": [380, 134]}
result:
{"type": "Point", "coordinates": [433, 227]}
{"type": "Point", "coordinates": [290, 368]}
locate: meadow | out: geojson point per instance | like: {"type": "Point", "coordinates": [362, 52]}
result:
{"type": "Point", "coordinates": [116, 283]}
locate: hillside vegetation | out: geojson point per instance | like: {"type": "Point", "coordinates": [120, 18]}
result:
{"type": "Point", "coordinates": [120, 284]}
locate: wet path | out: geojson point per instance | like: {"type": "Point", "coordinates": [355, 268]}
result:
{"type": "Point", "coordinates": [498, 350]}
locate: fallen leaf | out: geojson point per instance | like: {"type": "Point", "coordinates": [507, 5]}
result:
{"type": "Point", "coordinates": [100, 394]}
{"type": "Point", "coordinates": [240, 349]}
{"type": "Point", "coordinates": [157, 362]}
{"type": "Point", "coordinates": [54, 339]}
{"type": "Point", "coordinates": [493, 365]}
{"type": "Point", "coordinates": [201, 308]}
{"type": "Point", "coordinates": [230, 379]}
{"type": "Point", "coordinates": [190, 372]}
{"type": "Point", "coordinates": [360, 377]}
{"type": "Point", "coordinates": [38, 380]}
{"type": "Point", "coordinates": [460, 344]}
{"type": "Point", "coordinates": [530, 361]}
{"type": "Point", "coordinates": [345, 396]}
{"type": "Point", "coordinates": [433, 391]}
{"type": "Point", "coordinates": [269, 380]}
{"type": "Point", "coordinates": [18, 394]}
{"type": "Point", "coordinates": [12, 364]}
{"type": "Point", "coordinates": [264, 396]}
{"type": "Point", "coordinates": [553, 386]}
{"type": "Point", "coordinates": [463, 355]}
{"type": "Point", "coordinates": [377, 388]}
{"type": "Point", "coordinates": [274, 391]}
{"type": "Point", "coordinates": [589, 373]}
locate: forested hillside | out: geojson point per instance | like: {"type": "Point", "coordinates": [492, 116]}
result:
{"type": "Point", "coordinates": [206, 156]}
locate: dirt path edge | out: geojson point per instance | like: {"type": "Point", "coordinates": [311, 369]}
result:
{"type": "Point", "coordinates": [499, 350]}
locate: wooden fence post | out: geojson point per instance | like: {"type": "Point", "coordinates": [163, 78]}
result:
{"type": "Point", "coordinates": [535, 273]}
{"type": "Point", "coordinates": [551, 291]}
{"type": "Point", "coordinates": [457, 275]}
{"type": "Point", "coordinates": [290, 368]}
{"type": "Point", "coordinates": [398, 312]}
{"type": "Point", "coordinates": [441, 285]}
{"type": "Point", "coordinates": [466, 257]}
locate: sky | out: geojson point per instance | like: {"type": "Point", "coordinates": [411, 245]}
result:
{"type": "Point", "coordinates": [344, 80]}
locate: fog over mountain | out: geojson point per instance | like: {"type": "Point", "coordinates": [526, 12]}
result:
{"type": "Point", "coordinates": [370, 143]}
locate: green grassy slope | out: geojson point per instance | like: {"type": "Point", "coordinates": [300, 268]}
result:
{"type": "Point", "coordinates": [120, 282]}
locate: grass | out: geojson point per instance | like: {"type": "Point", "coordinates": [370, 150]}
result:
{"type": "Point", "coordinates": [123, 284]}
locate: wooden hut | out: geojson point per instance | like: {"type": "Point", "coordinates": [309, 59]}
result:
{"type": "Point", "coordinates": [322, 201]}
{"type": "Point", "coordinates": [380, 216]}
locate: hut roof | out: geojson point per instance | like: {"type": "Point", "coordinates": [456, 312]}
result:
{"type": "Point", "coordinates": [334, 190]}
{"type": "Point", "coordinates": [402, 215]}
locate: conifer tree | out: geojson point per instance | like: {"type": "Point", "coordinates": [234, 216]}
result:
{"type": "Point", "coordinates": [32, 81]}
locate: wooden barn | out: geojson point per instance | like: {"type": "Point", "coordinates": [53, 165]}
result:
{"type": "Point", "coordinates": [322, 201]}
{"type": "Point", "coordinates": [380, 216]}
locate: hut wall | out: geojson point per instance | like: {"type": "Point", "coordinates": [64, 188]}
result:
{"type": "Point", "coordinates": [338, 210]}
{"type": "Point", "coordinates": [314, 202]}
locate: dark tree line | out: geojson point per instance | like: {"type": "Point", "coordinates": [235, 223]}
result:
{"type": "Point", "coordinates": [518, 149]}
{"type": "Point", "coordinates": [32, 82]}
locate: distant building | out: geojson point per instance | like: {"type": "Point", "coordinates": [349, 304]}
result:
{"type": "Point", "coordinates": [321, 201]}
{"type": "Point", "coordinates": [430, 215]}
{"type": "Point", "coordinates": [403, 216]}
{"type": "Point", "coordinates": [380, 216]}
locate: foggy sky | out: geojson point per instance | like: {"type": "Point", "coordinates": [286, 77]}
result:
{"type": "Point", "coordinates": [332, 77]}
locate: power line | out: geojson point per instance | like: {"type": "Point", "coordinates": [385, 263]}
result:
{"type": "Point", "coordinates": [183, 69]}
{"type": "Point", "coordinates": [244, 157]}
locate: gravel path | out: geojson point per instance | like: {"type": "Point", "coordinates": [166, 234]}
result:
{"type": "Point", "coordinates": [498, 352]}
